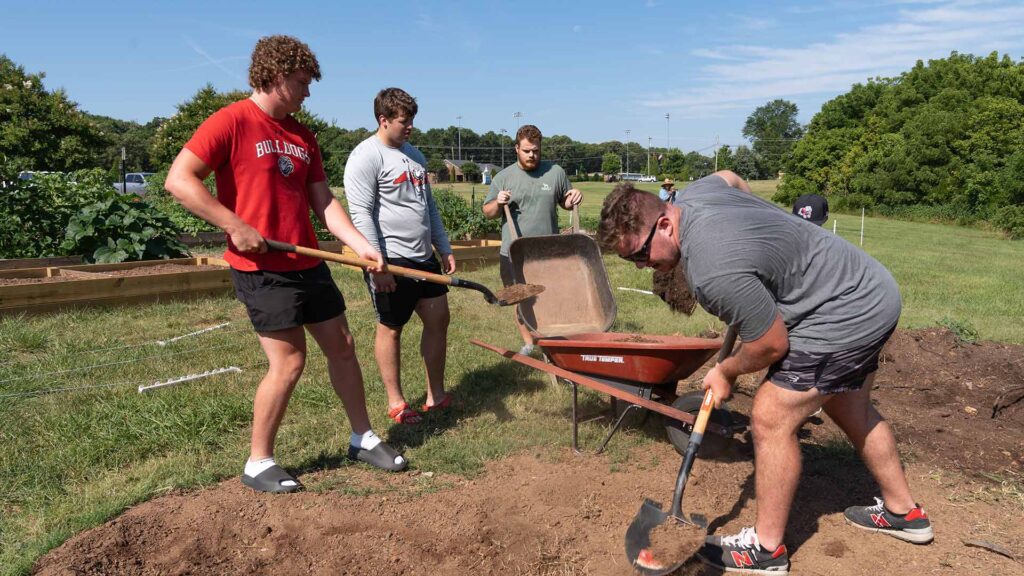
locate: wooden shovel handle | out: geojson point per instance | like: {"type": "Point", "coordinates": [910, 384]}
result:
{"type": "Point", "coordinates": [356, 261]}
{"type": "Point", "coordinates": [705, 407]}
{"type": "Point", "coordinates": [511, 224]}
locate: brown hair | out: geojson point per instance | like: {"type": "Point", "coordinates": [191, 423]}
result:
{"type": "Point", "coordinates": [626, 211]}
{"type": "Point", "coordinates": [275, 57]}
{"type": "Point", "coordinates": [530, 133]}
{"type": "Point", "coordinates": [392, 103]}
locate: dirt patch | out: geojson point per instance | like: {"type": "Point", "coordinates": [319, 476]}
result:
{"type": "Point", "coordinates": [637, 338]}
{"type": "Point", "coordinates": [555, 513]}
{"type": "Point", "coordinates": [674, 290]}
{"type": "Point", "coordinates": [75, 275]}
{"type": "Point", "coordinates": [672, 542]}
{"type": "Point", "coordinates": [518, 292]}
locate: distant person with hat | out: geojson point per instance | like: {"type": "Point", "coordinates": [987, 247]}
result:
{"type": "Point", "coordinates": [667, 192]}
{"type": "Point", "coordinates": [812, 207]}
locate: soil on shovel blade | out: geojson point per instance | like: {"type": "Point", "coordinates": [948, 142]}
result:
{"type": "Point", "coordinates": [673, 542]}
{"type": "Point", "coordinates": [518, 292]}
{"type": "Point", "coordinates": [549, 512]}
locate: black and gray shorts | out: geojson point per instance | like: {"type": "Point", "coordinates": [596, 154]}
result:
{"type": "Point", "coordinates": [828, 372]}
{"type": "Point", "coordinates": [394, 309]}
{"type": "Point", "coordinates": [281, 300]}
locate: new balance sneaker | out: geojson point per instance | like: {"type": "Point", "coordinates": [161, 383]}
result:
{"type": "Point", "coordinates": [913, 526]}
{"type": "Point", "coordinates": [744, 553]}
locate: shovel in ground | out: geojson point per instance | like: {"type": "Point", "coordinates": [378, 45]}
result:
{"type": "Point", "coordinates": [658, 542]}
{"type": "Point", "coordinates": [505, 297]}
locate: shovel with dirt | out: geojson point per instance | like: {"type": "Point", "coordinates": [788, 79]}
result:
{"type": "Point", "coordinates": [659, 542]}
{"type": "Point", "coordinates": [505, 297]}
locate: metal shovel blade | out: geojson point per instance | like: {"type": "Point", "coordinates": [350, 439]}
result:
{"type": "Point", "coordinates": [638, 538]}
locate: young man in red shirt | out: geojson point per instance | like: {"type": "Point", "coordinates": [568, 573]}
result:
{"type": "Point", "coordinates": [269, 174]}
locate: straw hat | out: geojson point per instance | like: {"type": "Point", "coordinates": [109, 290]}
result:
{"type": "Point", "coordinates": [667, 182]}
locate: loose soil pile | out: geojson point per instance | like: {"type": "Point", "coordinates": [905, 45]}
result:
{"type": "Point", "coordinates": [518, 292]}
{"type": "Point", "coordinates": [673, 289]}
{"type": "Point", "coordinates": [73, 275]}
{"type": "Point", "coordinates": [556, 513]}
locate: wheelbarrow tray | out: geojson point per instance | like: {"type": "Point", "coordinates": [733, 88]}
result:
{"type": "Point", "coordinates": [578, 296]}
{"type": "Point", "coordinates": [641, 358]}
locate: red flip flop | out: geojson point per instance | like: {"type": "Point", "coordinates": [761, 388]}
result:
{"type": "Point", "coordinates": [403, 414]}
{"type": "Point", "coordinates": [440, 405]}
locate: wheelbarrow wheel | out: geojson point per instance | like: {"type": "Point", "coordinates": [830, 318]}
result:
{"type": "Point", "coordinates": [713, 445]}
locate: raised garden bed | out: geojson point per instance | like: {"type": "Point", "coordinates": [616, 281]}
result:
{"type": "Point", "coordinates": [49, 288]}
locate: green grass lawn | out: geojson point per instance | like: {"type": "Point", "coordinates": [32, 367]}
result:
{"type": "Point", "coordinates": [75, 457]}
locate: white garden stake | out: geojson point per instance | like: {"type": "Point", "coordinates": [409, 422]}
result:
{"type": "Point", "coordinates": [189, 378]}
{"type": "Point", "coordinates": [861, 225]}
{"type": "Point", "coordinates": [196, 333]}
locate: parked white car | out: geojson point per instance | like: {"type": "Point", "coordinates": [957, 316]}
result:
{"type": "Point", "coordinates": [134, 183]}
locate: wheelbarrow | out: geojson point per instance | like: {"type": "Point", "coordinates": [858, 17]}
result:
{"type": "Point", "coordinates": [642, 370]}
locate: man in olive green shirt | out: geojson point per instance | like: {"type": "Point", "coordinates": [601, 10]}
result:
{"type": "Point", "coordinates": [532, 189]}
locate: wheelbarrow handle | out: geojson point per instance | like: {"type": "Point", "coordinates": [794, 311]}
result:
{"type": "Point", "coordinates": [697, 436]}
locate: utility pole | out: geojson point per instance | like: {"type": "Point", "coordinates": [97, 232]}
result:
{"type": "Point", "coordinates": [516, 116]}
{"type": "Point", "coordinates": [502, 141]}
{"type": "Point", "coordinates": [648, 155]}
{"type": "Point", "coordinates": [716, 152]}
{"type": "Point", "coordinates": [459, 118]}
{"type": "Point", "coordinates": [627, 151]}
{"type": "Point", "coordinates": [667, 130]}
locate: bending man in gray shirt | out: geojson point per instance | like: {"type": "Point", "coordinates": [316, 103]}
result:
{"type": "Point", "coordinates": [391, 203]}
{"type": "Point", "coordinates": [809, 306]}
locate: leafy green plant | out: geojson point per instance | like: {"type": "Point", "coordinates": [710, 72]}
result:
{"type": "Point", "coordinates": [963, 330]}
{"type": "Point", "coordinates": [119, 228]}
{"type": "Point", "coordinates": [459, 218]}
{"type": "Point", "coordinates": [1010, 219]}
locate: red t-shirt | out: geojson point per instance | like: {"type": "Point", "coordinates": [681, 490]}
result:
{"type": "Point", "coordinates": [263, 167]}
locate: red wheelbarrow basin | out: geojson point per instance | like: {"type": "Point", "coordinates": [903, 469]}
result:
{"type": "Point", "coordinates": [642, 358]}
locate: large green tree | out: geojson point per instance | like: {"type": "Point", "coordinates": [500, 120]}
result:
{"type": "Point", "coordinates": [40, 129]}
{"type": "Point", "coordinates": [773, 129]}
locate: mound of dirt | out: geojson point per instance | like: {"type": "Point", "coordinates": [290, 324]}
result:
{"type": "Point", "coordinates": [556, 513]}
{"type": "Point", "coordinates": [673, 289]}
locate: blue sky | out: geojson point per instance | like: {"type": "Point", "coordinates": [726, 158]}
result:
{"type": "Point", "coordinates": [587, 69]}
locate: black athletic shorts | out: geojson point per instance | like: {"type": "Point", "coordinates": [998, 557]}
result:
{"type": "Point", "coordinates": [394, 309]}
{"type": "Point", "coordinates": [508, 277]}
{"type": "Point", "coordinates": [280, 300]}
{"type": "Point", "coordinates": [829, 372]}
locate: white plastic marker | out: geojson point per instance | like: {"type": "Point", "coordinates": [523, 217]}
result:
{"type": "Point", "coordinates": [861, 225]}
{"type": "Point", "coordinates": [190, 377]}
{"type": "Point", "coordinates": [197, 332]}
{"type": "Point", "coordinates": [637, 290]}
{"type": "Point", "coordinates": [834, 222]}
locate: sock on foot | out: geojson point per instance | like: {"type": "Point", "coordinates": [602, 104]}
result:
{"type": "Point", "coordinates": [369, 441]}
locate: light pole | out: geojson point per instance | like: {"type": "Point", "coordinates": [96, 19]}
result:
{"type": "Point", "coordinates": [501, 141]}
{"type": "Point", "coordinates": [516, 116]}
{"type": "Point", "coordinates": [667, 126]}
{"type": "Point", "coordinates": [459, 118]}
{"type": "Point", "coordinates": [627, 151]}
{"type": "Point", "coordinates": [648, 155]}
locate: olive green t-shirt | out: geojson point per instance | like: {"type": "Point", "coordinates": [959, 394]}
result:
{"type": "Point", "coordinates": [536, 196]}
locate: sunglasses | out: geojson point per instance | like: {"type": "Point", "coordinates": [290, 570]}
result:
{"type": "Point", "coordinates": [642, 255]}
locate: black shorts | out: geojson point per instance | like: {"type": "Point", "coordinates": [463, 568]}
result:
{"type": "Point", "coordinates": [394, 309]}
{"type": "Point", "coordinates": [828, 372]}
{"type": "Point", "coordinates": [508, 277]}
{"type": "Point", "coordinates": [280, 300]}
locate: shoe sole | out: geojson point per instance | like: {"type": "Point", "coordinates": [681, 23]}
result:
{"type": "Point", "coordinates": [923, 537]}
{"type": "Point", "coordinates": [767, 572]}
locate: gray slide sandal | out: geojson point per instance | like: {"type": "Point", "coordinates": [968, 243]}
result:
{"type": "Point", "coordinates": [274, 480]}
{"type": "Point", "coordinates": [382, 456]}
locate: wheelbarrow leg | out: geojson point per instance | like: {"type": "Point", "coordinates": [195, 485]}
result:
{"type": "Point", "coordinates": [645, 393]}
{"type": "Point", "coordinates": [575, 420]}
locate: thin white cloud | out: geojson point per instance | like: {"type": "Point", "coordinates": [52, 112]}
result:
{"type": "Point", "coordinates": [219, 63]}
{"type": "Point", "coordinates": [650, 4]}
{"type": "Point", "coordinates": [751, 23]}
{"type": "Point", "coordinates": [738, 75]}
{"type": "Point", "coordinates": [577, 28]}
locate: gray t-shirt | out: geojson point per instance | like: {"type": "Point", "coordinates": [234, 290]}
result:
{"type": "Point", "coordinates": [535, 199]}
{"type": "Point", "coordinates": [746, 260]}
{"type": "Point", "coordinates": [390, 200]}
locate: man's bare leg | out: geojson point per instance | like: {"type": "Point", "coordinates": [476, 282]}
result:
{"type": "Point", "coordinates": [388, 351]}
{"type": "Point", "coordinates": [436, 316]}
{"type": "Point", "coordinates": [775, 419]}
{"type": "Point", "coordinates": [875, 442]}
{"type": "Point", "coordinates": [286, 353]}
{"type": "Point", "coordinates": [336, 342]}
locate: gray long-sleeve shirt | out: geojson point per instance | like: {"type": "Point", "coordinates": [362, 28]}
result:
{"type": "Point", "coordinates": [390, 201]}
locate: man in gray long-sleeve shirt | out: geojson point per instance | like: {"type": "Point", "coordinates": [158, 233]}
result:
{"type": "Point", "coordinates": [812, 309]}
{"type": "Point", "coordinates": [391, 204]}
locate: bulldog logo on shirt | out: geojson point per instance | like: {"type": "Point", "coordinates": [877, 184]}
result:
{"type": "Point", "coordinates": [285, 165]}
